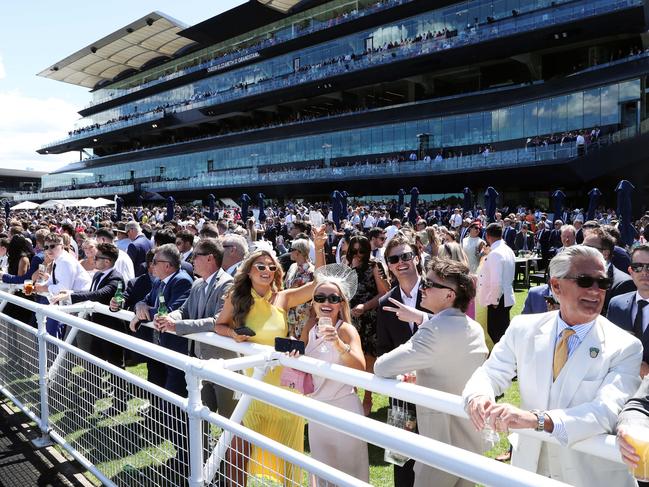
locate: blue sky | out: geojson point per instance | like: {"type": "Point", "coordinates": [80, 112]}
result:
{"type": "Point", "coordinates": [38, 33]}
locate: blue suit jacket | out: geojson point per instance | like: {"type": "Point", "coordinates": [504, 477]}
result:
{"type": "Point", "coordinates": [137, 252]}
{"type": "Point", "coordinates": [619, 312]}
{"type": "Point", "coordinates": [535, 301]}
{"type": "Point", "coordinates": [175, 292]}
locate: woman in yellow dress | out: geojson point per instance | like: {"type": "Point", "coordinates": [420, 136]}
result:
{"type": "Point", "coordinates": [256, 300]}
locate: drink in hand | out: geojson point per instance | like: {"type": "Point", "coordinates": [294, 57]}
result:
{"type": "Point", "coordinates": [28, 287]}
{"type": "Point", "coordinates": [119, 295]}
{"type": "Point", "coordinates": [162, 306]}
{"type": "Point", "coordinates": [638, 438]}
{"type": "Point", "coordinates": [324, 322]}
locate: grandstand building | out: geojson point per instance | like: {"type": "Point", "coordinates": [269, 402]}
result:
{"type": "Point", "coordinates": [363, 95]}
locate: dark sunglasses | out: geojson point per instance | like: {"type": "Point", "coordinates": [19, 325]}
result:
{"type": "Point", "coordinates": [639, 267]}
{"type": "Point", "coordinates": [588, 281]}
{"type": "Point", "coordinates": [201, 253]}
{"type": "Point", "coordinates": [102, 257]}
{"type": "Point", "coordinates": [355, 251]}
{"type": "Point", "coordinates": [263, 267]}
{"type": "Point", "coordinates": [156, 261]}
{"type": "Point", "coordinates": [332, 298]}
{"type": "Point", "coordinates": [405, 257]}
{"type": "Point", "coordinates": [50, 247]}
{"type": "Point", "coordinates": [427, 284]}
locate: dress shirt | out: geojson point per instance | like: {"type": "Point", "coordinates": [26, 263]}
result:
{"type": "Point", "coordinates": [559, 431]}
{"type": "Point", "coordinates": [124, 265]}
{"type": "Point", "coordinates": [232, 270]}
{"type": "Point", "coordinates": [98, 276]}
{"type": "Point", "coordinates": [411, 300]}
{"type": "Point", "coordinates": [70, 276]}
{"type": "Point", "coordinates": [497, 276]}
{"type": "Point", "coordinates": [645, 312]}
{"type": "Point", "coordinates": [185, 255]}
{"type": "Point", "coordinates": [208, 281]}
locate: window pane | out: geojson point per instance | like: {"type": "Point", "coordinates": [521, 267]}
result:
{"type": "Point", "coordinates": [591, 108]}
{"type": "Point", "coordinates": [609, 101]}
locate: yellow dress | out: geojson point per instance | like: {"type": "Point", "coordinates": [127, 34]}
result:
{"type": "Point", "coordinates": [268, 322]}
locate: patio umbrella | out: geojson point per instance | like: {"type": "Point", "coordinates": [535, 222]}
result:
{"type": "Point", "coordinates": [624, 212]}
{"type": "Point", "coordinates": [402, 194]}
{"type": "Point", "coordinates": [25, 205]}
{"type": "Point", "coordinates": [335, 207]}
{"type": "Point", "coordinates": [260, 201]}
{"type": "Point", "coordinates": [119, 202]}
{"type": "Point", "coordinates": [414, 198]}
{"type": "Point", "coordinates": [170, 208]}
{"type": "Point", "coordinates": [593, 200]}
{"type": "Point", "coordinates": [558, 198]}
{"type": "Point", "coordinates": [343, 201]}
{"type": "Point", "coordinates": [467, 204]}
{"type": "Point", "coordinates": [491, 196]}
{"type": "Point", "coordinates": [212, 201]}
{"type": "Point", "coordinates": [245, 202]}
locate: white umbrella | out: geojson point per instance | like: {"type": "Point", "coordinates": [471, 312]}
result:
{"type": "Point", "coordinates": [104, 202]}
{"type": "Point", "coordinates": [53, 204]}
{"type": "Point", "coordinates": [25, 205]}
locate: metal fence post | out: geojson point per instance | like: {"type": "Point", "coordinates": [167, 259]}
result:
{"type": "Point", "coordinates": [194, 430]}
{"type": "Point", "coordinates": [43, 382]}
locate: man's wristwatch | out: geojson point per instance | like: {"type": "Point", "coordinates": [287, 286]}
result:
{"type": "Point", "coordinates": [540, 419]}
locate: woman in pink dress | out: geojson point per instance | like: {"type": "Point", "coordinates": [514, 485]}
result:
{"type": "Point", "coordinates": [338, 343]}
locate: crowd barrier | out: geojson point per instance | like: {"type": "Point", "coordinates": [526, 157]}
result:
{"type": "Point", "coordinates": [160, 438]}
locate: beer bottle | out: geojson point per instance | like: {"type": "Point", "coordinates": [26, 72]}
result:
{"type": "Point", "coordinates": [119, 295]}
{"type": "Point", "coordinates": [162, 306]}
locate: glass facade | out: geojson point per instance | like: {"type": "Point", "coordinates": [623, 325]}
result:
{"type": "Point", "coordinates": [459, 17]}
{"type": "Point", "coordinates": [582, 109]}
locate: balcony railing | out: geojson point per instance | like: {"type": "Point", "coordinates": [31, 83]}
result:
{"type": "Point", "coordinates": [76, 193]}
{"type": "Point", "coordinates": [503, 28]}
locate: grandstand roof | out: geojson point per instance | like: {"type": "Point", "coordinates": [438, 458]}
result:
{"type": "Point", "coordinates": [152, 37]}
{"type": "Point", "coordinates": [20, 173]}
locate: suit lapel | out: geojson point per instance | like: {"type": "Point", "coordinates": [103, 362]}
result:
{"type": "Point", "coordinates": [544, 354]}
{"type": "Point", "coordinates": [579, 363]}
{"type": "Point", "coordinates": [629, 315]}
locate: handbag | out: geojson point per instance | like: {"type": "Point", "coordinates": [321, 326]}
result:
{"type": "Point", "coordinates": [296, 379]}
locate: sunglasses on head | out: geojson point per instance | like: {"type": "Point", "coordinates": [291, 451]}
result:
{"type": "Point", "coordinates": [50, 247]}
{"type": "Point", "coordinates": [405, 257]}
{"type": "Point", "coordinates": [428, 284]}
{"type": "Point", "coordinates": [332, 298]}
{"type": "Point", "coordinates": [588, 281]}
{"type": "Point", "coordinates": [639, 267]}
{"type": "Point", "coordinates": [263, 267]}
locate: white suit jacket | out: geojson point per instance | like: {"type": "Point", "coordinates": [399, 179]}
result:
{"type": "Point", "coordinates": [602, 372]}
{"type": "Point", "coordinates": [496, 276]}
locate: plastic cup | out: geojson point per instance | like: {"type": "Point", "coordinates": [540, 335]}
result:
{"type": "Point", "coordinates": [638, 438]}
{"type": "Point", "coordinates": [28, 287]}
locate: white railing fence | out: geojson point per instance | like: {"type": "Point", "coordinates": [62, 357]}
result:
{"type": "Point", "coordinates": [128, 431]}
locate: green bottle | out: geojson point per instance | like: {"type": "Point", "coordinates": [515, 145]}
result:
{"type": "Point", "coordinates": [162, 306]}
{"type": "Point", "coordinates": [119, 294]}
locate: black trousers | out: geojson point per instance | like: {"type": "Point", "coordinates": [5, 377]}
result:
{"type": "Point", "coordinates": [497, 320]}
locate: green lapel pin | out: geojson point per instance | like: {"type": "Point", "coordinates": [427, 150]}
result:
{"type": "Point", "coordinates": [594, 352]}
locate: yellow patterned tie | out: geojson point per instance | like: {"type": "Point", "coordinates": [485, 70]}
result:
{"type": "Point", "coordinates": [561, 352]}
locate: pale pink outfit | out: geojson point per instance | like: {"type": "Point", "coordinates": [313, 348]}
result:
{"type": "Point", "coordinates": [329, 446]}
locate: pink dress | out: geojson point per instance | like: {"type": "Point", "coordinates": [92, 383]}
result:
{"type": "Point", "coordinates": [329, 446]}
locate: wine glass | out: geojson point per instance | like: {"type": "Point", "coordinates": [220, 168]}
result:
{"type": "Point", "coordinates": [323, 323]}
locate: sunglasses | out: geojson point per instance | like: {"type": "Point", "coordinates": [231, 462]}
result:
{"type": "Point", "coordinates": [102, 257]}
{"type": "Point", "coordinates": [639, 267]}
{"type": "Point", "coordinates": [588, 281]}
{"type": "Point", "coordinates": [355, 251]}
{"type": "Point", "coordinates": [405, 257]}
{"type": "Point", "coordinates": [156, 262]}
{"type": "Point", "coordinates": [428, 284]}
{"type": "Point", "coordinates": [263, 267]}
{"type": "Point", "coordinates": [332, 298]}
{"type": "Point", "coordinates": [50, 247]}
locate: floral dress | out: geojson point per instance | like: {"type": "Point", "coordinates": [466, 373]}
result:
{"type": "Point", "coordinates": [366, 323]}
{"type": "Point", "coordinates": [298, 276]}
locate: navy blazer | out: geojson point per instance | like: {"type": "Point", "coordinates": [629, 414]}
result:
{"type": "Point", "coordinates": [619, 312]}
{"type": "Point", "coordinates": [509, 235]}
{"type": "Point", "coordinates": [137, 252]}
{"type": "Point", "coordinates": [535, 301]}
{"type": "Point", "coordinates": [621, 259]}
{"type": "Point", "coordinates": [622, 283]}
{"type": "Point", "coordinates": [104, 292]}
{"type": "Point", "coordinates": [175, 292]}
{"type": "Point", "coordinates": [136, 290]}
{"type": "Point", "coordinates": [390, 330]}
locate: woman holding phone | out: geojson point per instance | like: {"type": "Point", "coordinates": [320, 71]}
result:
{"type": "Point", "coordinates": [255, 310]}
{"type": "Point", "coordinates": [334, 339]}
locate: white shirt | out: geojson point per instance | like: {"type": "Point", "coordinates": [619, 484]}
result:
{"type": "Point", "coordinates": [410, 300]}
{"type": "Point", "coordinates": [455, 220]}
{"type": "Point", "coordinates": [208, 280]}
{"type": "Point", "coordinates": [185, 255]}
{"type": "Point", "coordinates": [496, 276]}
{"type": "Point", "coordinates": [70, 276]}
{"type": "Point", "coordinates": [124, 265]}
{"type": "Point", "coordinates": [645, 311]}
{"type": "Point", "coordinates": [232, 270]}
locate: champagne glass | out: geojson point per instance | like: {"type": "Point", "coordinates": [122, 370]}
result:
{"type": "Point", "coordinates": [323, 323]}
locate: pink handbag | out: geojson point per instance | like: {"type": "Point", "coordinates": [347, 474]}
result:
{"type": "Point", "coordinates": [296, 379]}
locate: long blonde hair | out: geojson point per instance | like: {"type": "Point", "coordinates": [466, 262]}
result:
{"type": "Point", "coordinates": [241, 291]}
{"type": "Point", "coordinates": [346, 314]}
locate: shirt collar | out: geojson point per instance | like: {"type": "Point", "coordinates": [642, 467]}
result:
{"type": "Point", "coordinates": [413, 293]}
{"type": "Point", "coordinates": [209, 279]}
{"type": "Point", "coordinates": [639, 298]}
{"type": "Point", "coordinates": [580, 330]}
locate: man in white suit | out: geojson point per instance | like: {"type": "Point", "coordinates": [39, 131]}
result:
{"type": "Point", "coordinates": [575, 370]}
{"type": "Point", "coordinates": [496, 282]}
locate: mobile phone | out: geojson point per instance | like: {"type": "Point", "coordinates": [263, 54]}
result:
{"type": "Point", "coordinates": [288, 345]}
{"type": "Point", "coordinates": [244, 330]}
